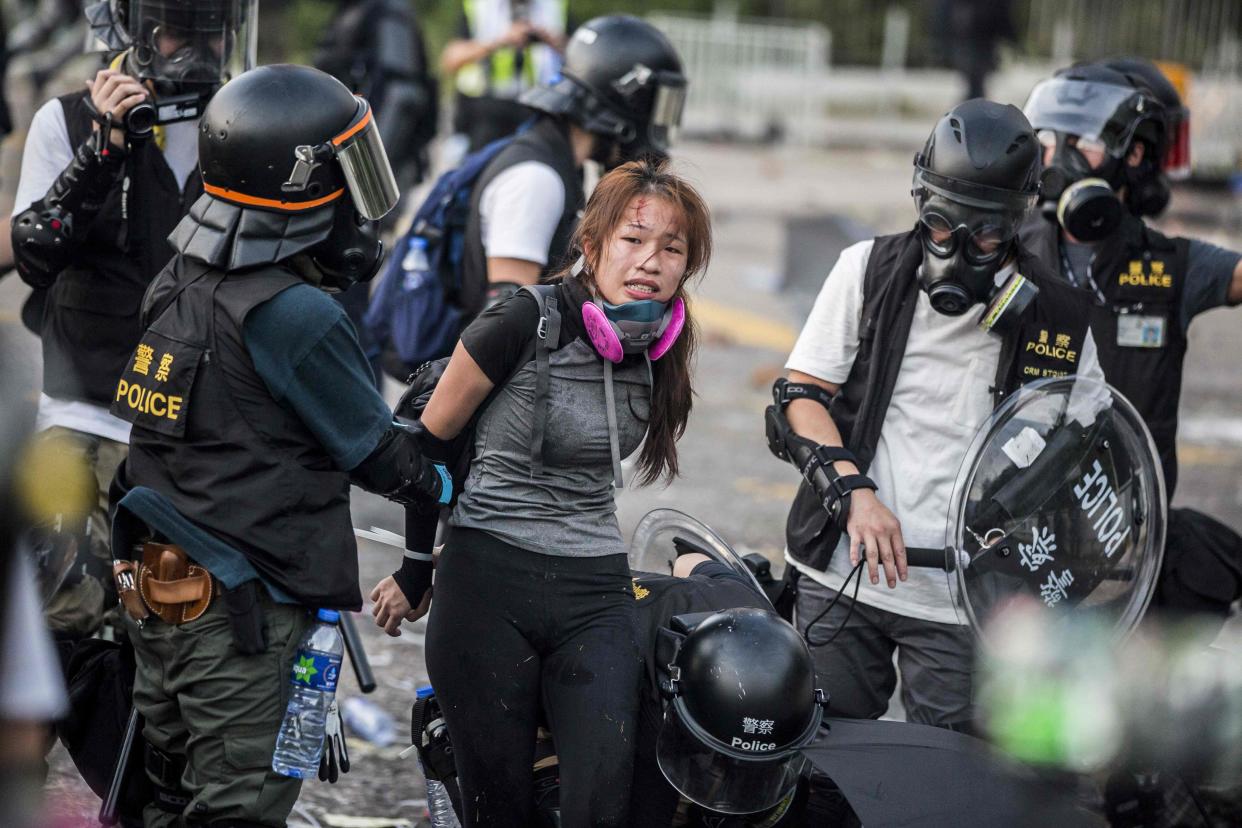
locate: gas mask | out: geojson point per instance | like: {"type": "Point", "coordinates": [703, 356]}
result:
{"type": "Point", "coordinates": [964, 248]}
{"type": "Point", "coordinates": [185, 50]}
{"type": "Point", "coordinates": [351, 253]}
{"type": "Point", "coordinates": [1083, 200]}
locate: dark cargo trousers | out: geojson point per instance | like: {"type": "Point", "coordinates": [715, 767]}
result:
{"type": "Point", "coordinates": [856, 669]}
{"type": "Point", "coordinates": [219, 712]}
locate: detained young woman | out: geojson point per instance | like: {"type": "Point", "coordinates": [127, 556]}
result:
{"type": "Point", "coordinates": [533, 605]}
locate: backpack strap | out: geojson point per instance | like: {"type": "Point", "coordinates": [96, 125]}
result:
{"type": "Point", "coordinates": [547, 339]}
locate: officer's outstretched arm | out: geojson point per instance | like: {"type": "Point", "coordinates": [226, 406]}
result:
{"type": "Point", "coordinates": [47, 233]}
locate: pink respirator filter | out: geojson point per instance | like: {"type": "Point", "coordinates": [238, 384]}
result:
{"type": "Point", "coordinates": [606, 336]}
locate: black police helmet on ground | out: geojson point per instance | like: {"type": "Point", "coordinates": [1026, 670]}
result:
{"type": "Point", "coordinates": [746, 676]}
{"type": "Point", "coordinates": [599, 88]}
{"type": "Point", "coordinates": [742, 706]}
{"type": "Point", "coordinates": [248, 135]}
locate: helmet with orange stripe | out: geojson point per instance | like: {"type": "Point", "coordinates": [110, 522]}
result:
{"type": "Point", "coordinates": [292, 165]}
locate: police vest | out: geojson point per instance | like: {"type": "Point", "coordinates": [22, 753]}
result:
{"type": "Point", "coordinates": [1046, 342]}
{"type": "Point", "coordinates": [1141, 275]}
{"type": "Point", "coordinates": [209, 436]}
{"type": "Point", "coordinates": [90, 323]}
{"type": "Point", "coordinates": [546, 141]}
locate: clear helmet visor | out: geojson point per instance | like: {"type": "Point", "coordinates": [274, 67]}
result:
{"type": "Point", "coordinates": [1098, 112]}
{"type": "Point", "coordinates": [1058, 504]}
{"type": "Point", "coordinates": [368, 173]}
{"type": "Point", "coordinates": [666, 112]}
{"type": "Point", "coordinates": [720, 782]}
{"type": "Point", "coordinates": [192, 45]}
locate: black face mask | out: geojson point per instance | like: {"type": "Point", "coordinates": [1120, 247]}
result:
{"type": "Point", "coordinates": [351, 253]}
{"type": "Point", "coordinates": [1083, 200]}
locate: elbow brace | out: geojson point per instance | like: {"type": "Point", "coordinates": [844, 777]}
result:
{"type": "Point", "coordinates": [816, 462]}
{"type": "Point", "coordinates": [46, 234]}
{"type": "Point", "coordinates": [401, 471]}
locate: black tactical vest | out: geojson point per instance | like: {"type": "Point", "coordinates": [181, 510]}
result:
{"type": "Point", "coordinates": [1047, 342]}
{"type": "Point", "coordinates": [547, 142]}
{"type": "Point", "coordinates": [1137, 329]}
{"type": "Point", "coordinates": [209, 436]}
{"type": "Point", "coordinates": [90, 322]}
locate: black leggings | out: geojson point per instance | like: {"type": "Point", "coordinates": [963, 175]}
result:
{"type": "Point", "coordinates": [511, 630]}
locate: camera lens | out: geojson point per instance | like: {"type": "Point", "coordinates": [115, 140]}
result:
{"type": "Point", "coordinates": [140, 120]}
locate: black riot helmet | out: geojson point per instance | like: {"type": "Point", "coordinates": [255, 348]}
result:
{"type": "Point", "coordinates": [1110, 109]}
{"type": "Point", "coordinates": [621, 80]}
{"type": "Point", "coordinates": [974, 181]}
{"type": "Point", "coordinates": [742, 705]}
{"type": "Point", "coordinates": [292, 163]}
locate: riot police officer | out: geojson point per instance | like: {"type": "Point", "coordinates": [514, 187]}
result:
{"type": "Point", "coordinates": [253, 410]}
{"type": "Point", "coordinates": [619, 96]}
{"type": "Point", "coordinates": [1107, 130]}
{"type": "Point", "coordinates": [106, 174]}
{"type": "Point", "coordinates": [912, 342]}
{"type": "Point", "coordinates": [1110, 131]}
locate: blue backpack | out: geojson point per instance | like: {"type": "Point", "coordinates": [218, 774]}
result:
{"type": "Point", "coordinates": [412, 308]}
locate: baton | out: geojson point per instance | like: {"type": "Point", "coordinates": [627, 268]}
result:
{"type": "Point", "coordinates": [357, 653]}
{"type": "Point", "coordinates": [108, 810]}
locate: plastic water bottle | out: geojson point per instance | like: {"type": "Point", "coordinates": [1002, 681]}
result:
{"type": "Point", "coordinates": [439, 805]}
{"type": "Point", "coordinates": [316, 669]}
{"type": "Point", "coordinates": [367, 720]}
{"type": "Point", "coordinates": [415, 264]}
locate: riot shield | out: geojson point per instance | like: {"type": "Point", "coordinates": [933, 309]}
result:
{"type": "Point", "coordinates": [663, 534]}
{"type": "Point", "coordinates": [1059, 502]}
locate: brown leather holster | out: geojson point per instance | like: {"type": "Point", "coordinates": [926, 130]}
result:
{"type": "Point", "coordinates": [166, 583]}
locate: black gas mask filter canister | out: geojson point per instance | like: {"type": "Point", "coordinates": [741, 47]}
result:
{"type": "Point", "coordinates": [1082, 199]}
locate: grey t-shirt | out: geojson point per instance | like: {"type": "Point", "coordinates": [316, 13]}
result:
{"type": "Point", "coordinates": [568, 507]}
{"type": "Point", "coordinates": [1209, 273]}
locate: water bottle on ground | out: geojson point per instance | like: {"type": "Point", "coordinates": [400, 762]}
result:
{"type": "Point", "coordinates": [316, 668]}
{"type": "Point", "coordinates": [435, 739]}
{"type": "Point", "coordinates": [367, 720]}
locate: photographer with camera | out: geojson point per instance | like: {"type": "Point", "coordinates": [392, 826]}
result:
{"type": "Point", "coordinates": [502, 49]}
{"type": "Point", "coordinates": [106, 175]}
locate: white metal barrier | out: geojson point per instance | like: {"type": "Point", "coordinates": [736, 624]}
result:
{"type": "Point", "coordinates": [752, 79]}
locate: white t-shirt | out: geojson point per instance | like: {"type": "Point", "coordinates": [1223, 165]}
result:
{"type": "Point", "coordinates": [940, 400]}
{"type": "Point", "coordinates": [519, 211]}
{"type": "Point", "coordinates": [47, 153]}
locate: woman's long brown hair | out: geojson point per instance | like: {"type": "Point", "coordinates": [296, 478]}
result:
{"type": "Point", "coordinates": [672, 395]}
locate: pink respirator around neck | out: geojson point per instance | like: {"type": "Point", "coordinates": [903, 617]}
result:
{"type": "Point", "coordinates": [612, 341]}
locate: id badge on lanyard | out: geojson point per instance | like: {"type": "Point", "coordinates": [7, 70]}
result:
{"type": "Point", "coordinates": [1141, 330]}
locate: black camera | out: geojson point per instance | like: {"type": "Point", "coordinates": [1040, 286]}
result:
{"type": "Point", "coordinates": [143, 117]}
